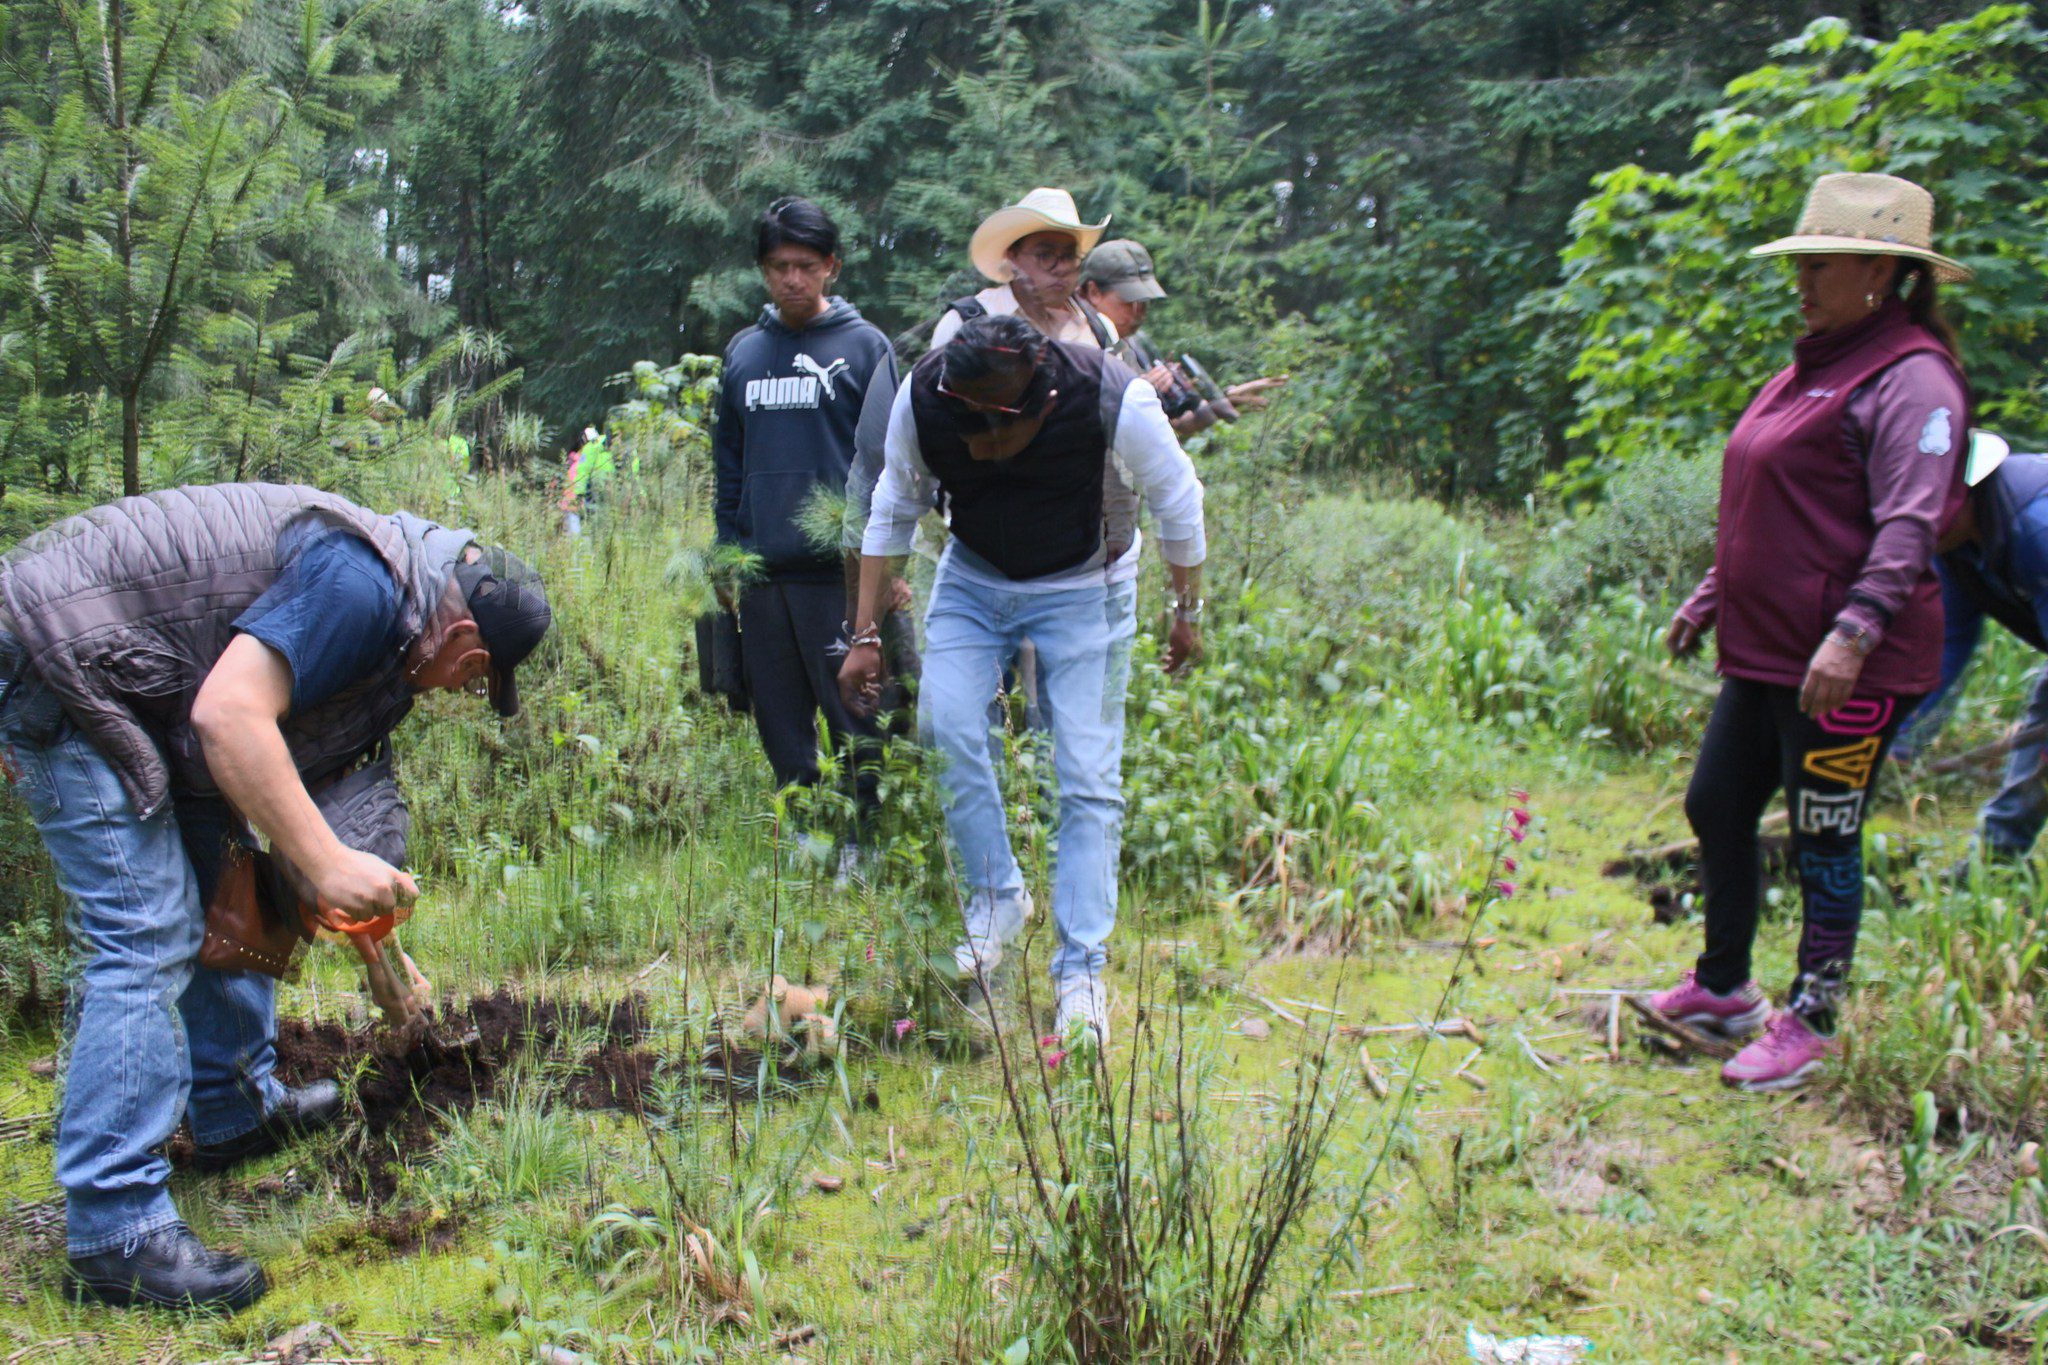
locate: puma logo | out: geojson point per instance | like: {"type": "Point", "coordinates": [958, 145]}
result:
{"type": "Point", "coordinates": [824, 374]}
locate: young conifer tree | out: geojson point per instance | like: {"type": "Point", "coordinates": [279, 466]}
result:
{"type": "Point", "coordinates": [156, 158]}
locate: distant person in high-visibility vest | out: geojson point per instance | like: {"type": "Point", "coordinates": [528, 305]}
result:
{"type": "Point", "coordinates": [591, 470]}
{"type": "Point", "coordinates": [460, 453]}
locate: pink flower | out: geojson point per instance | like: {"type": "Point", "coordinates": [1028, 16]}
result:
{"type": "Point", "coordinates": [1053, 1059]}
{"type": "Point", "coordinates": [1519, 818]}
{"type": "Point", "coordinates": [904, 1026]}
{"type": "Point", "coordinates": [871, 953]}
{"type": "Point", "coordinates": [1510, 864]}
{"type": "Point", "coordinates": [1049, 1040]}
{"type": "Point", "coordinates": [1517, 833]}
{"type": "Point", "coordinates": [1521, 797]}
{"type": "Point", "coordinates": [1506, 889]}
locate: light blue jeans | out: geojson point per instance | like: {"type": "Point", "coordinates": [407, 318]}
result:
{"type": "Point", "coordinates": [1083, 637]}
{"type": "Point", "coordinates": [152, 1035]}
{"type": "Point", "coordinates": [2012, 820]}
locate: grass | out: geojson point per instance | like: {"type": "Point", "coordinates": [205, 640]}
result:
{"type": "Point", "coordinates": [621, 840]}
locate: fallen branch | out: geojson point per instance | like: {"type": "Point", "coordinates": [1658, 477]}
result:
{"type": "Point", "coordinates": [1449, 1028]}
{"type": "Point", "coordinates": [1684, 1033]}
{"type": "Point", "coordinates": [1682, 850]}
{"type": "Point", "coordinates": [1985, 753]}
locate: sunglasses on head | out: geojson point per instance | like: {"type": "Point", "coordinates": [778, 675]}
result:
{"type": "Point", "coordinates": [982, 405]}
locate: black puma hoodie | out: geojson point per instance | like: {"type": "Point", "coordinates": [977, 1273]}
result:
{"type": "Point", "coordinates": [786, 413]}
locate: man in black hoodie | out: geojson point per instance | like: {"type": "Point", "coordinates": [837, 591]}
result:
{"type": "Point", "coordinates": [793, 388]}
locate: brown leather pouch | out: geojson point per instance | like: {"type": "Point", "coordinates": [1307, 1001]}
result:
{"type": "Point", "coordinates": [244, 932]}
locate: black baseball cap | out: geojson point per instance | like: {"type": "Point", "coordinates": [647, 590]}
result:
{"type": "Point", "coordinates": [510, 608]}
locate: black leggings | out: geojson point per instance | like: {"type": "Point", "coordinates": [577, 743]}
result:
{"type": "Point", "coordinates": [1758, 741]}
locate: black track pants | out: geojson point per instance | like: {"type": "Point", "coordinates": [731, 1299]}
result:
{"type": "Point", "coordinates": [1757, 742]}
{"type": "Point", "coordinates": [787, 630]}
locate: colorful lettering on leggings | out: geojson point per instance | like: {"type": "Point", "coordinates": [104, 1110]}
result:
{"type": "Point", "coordinates": [1833, 886]}
{"type": "Point", "coordinates": [1849, 765]}
{"type": "Point", "coordinates": [1859, 717]}
{"type": "Point", "coordinates": [1825, 813]}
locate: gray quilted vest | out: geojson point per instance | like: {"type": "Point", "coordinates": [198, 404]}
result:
{"type": "Point", "coordinates": [125, 609]}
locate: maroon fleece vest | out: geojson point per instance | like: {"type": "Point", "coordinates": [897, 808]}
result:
{"type": "Point", "coordinates": [1796, 524]}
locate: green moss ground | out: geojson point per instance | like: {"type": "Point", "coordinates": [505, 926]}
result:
{"type": "Point", "coordinates": [1634, 1201]}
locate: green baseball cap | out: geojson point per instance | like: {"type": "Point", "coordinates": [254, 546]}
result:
{"type": "Point", "coordinates": [1125, 269]}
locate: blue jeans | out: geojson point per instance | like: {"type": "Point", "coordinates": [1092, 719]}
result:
{"type": "Point", "coordinates": [152, 1035]}
{"type": "Point", "coordinates": [2012, 820]}
{"type": "Point", "coordinates": [1083, 637]}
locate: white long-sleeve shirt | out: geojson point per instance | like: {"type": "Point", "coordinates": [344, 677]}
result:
{"type": "Point", "coordinates": [1143, 442]}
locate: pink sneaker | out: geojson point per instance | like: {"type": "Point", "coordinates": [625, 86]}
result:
{"type": "Point", "coordinates": [1788, 1056]}
{"type": "Point", "coordinates": [1735, 1015]}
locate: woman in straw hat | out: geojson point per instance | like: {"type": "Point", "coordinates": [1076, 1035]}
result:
{"type": "Point", "coordinates": [1834, 487]}
{"type": "Point", "coordinates": [1033, 251]}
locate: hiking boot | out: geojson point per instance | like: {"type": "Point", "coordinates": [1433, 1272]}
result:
{"type": "Point", "coordinates": [1084, 1002]}
{"type": "Point", "coordinates": [992, 925]}
{"type": "Point", "coordinates": [1736, 1015]}
{"type": "Point", "coordinates": [169, 1268]}
{"type": "Point", "coordinates": [1788, 1056]}
{"type": "Point", "coordinates": [303, 1109]}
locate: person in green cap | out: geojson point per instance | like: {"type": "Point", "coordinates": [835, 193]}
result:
{"type": "Point", "coordinates": [1118, 281]}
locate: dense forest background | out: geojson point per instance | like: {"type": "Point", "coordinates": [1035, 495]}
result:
{"type": "Point", "coordinates": [1497, 242]}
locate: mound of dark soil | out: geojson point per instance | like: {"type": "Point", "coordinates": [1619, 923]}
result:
{"type": "Point", "coordinates": [403, 1093]}
{"type": "Point", "coordinates": [615, 1077]}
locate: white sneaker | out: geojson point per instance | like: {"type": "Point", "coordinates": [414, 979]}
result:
{"type": "Point", "coordinates": [1084, 1000]}
{"type": "Point", "coordinates": [989, 931]}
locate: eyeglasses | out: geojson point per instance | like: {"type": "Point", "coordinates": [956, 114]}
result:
{"type": "Point", "coordinates": [1051, 258]}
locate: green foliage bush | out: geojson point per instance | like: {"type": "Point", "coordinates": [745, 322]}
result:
{"type": "Point", "coordinates": [1677, 328]}
{"type": "Point", "coordinates": [1380, 566]}
{"type": "Point", "coordinates": [1653, 533]}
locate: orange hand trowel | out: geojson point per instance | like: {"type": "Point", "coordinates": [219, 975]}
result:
{"type": "Point", "coordinates": [401, 992]}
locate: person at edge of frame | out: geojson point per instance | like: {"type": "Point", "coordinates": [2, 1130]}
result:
{"type": "Point", "coordinates": [1119, 282]}
{"type": "Point", "coordinates": [1835, 486]}
{"type": "Point", "coordinates": [1015, 429]}
{"type": "Point", "coordinates": [175, 669]}
{"type": "Point", "coordinates": [1993, 561]}
{"type": "Point", "coordinates": [783, 432]}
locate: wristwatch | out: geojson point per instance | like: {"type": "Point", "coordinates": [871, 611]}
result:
{"type": "Point", "coordinates": [1853, 638]}
{"type": "Point", "coordinates": [1189, 612]}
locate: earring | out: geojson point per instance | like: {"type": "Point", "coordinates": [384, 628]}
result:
{"type": "Point", "coordinates": [1870, 301]}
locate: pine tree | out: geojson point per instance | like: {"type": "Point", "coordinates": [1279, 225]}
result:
{"type": "Point", "coordinates": [156, 159]}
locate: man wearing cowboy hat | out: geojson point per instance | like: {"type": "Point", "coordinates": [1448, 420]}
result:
{"type": "Point", "coordinates": [1118, 281]}
{"type": "Point", "coordinates": [1033, 251]}
{"type": "Point", "coordinates": [1993, 561]}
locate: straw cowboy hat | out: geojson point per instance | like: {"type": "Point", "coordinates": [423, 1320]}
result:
{"type": "Point", "coordinates": [1867, 215]}
{"type": "Point", "coordinates": [1042, 210]}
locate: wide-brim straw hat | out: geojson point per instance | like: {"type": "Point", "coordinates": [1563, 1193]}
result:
{"type": "Point", "coordinates": [1867, 215]}
{"type": "Point", "coordinates": [1042, 210]}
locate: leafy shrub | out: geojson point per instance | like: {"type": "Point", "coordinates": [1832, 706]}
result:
{"type": "Point", "coordinates": [1677, 327]}
{"type": "Point", "coordinates": [1486, 660]}
{"type": "Point", "coordinates": [1653, 533]}
{"type": "Point", "coordinates": [1380, 565]}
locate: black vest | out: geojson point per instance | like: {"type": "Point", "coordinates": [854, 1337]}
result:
{"type": "Point", "coordinates": [1041, 511]}
{"type": "Point", "coordinates": [2014, 484]}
